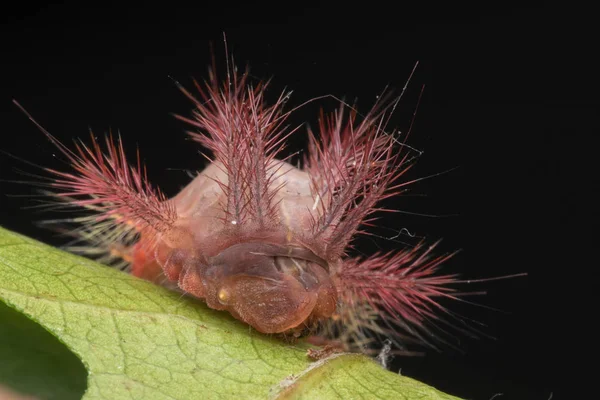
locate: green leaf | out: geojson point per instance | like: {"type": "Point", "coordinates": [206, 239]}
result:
{"type": "Point", "coordinates": [140, 341]}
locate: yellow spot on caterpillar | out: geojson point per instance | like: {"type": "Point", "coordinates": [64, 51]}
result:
{"type": "Point", "coordinates": [224, 296]}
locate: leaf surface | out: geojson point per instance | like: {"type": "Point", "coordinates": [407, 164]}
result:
{"type": "Point", "coordinates": [140, 341]}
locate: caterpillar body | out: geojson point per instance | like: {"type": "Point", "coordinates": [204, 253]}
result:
{"type": "Point", "coordinates": [256, 236]}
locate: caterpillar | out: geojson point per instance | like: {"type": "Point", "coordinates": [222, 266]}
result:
{"type": "Point", "coordinates": [256, 236]}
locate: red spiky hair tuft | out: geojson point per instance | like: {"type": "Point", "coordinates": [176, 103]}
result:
{"type": "Point", "coordinates": [352, 167]}
{"type": "Point", "coordinates": [400, 289]}
{"type": "Point", "coordinates": [245, 135]}
{"type": "Point", "coordinates": [119, 194]}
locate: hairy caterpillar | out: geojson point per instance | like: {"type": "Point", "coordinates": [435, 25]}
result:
{"type": "Point", "coordinates": [257, 237]}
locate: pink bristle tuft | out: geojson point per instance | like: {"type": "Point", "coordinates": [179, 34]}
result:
{"type": "Point", "coordinates": [118, 193]}
{"type": "Point", "coordinates": [352, 168]}
{"type": "Point", "coordinates": [402, 288]}
{"type": "Point", "coordinates": [244, 135]}
{"type": "Point", "coordinates": [118, 190]}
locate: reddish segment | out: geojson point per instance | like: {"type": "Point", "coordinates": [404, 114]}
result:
{"type": "Point", "coordinates": [144, 265]}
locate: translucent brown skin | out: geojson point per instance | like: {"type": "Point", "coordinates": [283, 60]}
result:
{"type": "Point", "coordinates": [270, 277]}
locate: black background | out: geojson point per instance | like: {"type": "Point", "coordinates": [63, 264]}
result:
{"type": "Point", "coordinates": [509, 100]}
